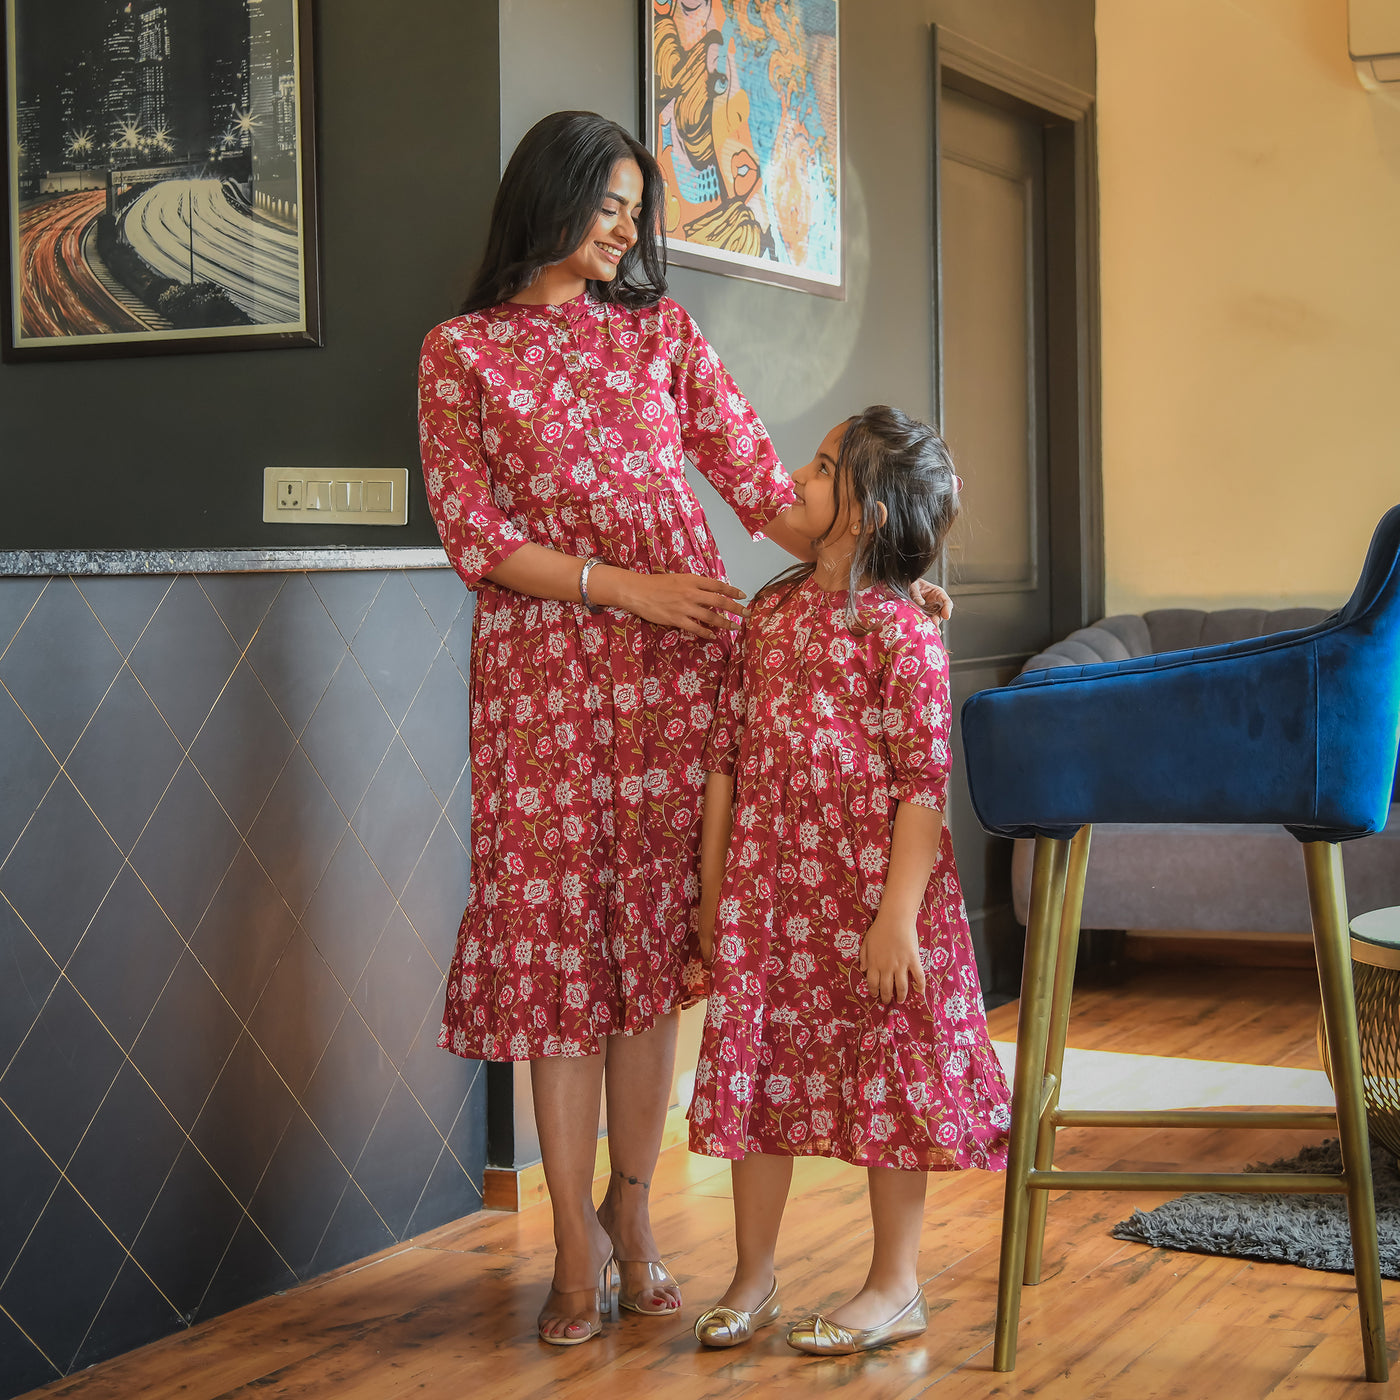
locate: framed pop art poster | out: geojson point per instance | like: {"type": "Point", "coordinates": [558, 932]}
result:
{"type": "Point", "coordinates": [742, 109]}
{"type": "Point", "coordinates": [159, 177]}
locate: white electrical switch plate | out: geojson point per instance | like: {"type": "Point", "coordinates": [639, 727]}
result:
{"type": "Point", "coordinates": [372, 496]}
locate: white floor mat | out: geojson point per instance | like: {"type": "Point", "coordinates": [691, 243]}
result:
{"type": "Point", "coordinates": [1104, 1079]}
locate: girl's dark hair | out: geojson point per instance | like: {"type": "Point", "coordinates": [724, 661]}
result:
{"type": "Point", "coordinates": [888, 458]}
{"type": "Point", "coordinates": [548, 198]}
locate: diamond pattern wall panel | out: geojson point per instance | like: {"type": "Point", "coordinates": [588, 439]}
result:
{"type": "Point", "coordinates": [232, 862]}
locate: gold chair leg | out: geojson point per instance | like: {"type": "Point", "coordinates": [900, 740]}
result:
{"type": "Point", "coordinates": [1055, 1048]}
{"type": "Point", "coordinates": [1032, 1028]}
{"type": "Point", "coordinates": [1327, 897]}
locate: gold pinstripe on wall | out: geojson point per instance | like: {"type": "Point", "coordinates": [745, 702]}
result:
{"type": "Point", "coordinates": [407, 624]}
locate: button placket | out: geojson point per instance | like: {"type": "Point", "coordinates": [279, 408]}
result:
{"type": "Point", "coordinates": [577, 381]}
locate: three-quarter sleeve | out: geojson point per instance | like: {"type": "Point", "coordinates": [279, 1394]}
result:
{"type": "Point", "coordinates": [722, 746]}
{"type": "Point", "coordinates": [475, 533]}
{"type": "Point", "coordinates": [720, 431]}
{"type": "Point", "coordinates": [915, 717]}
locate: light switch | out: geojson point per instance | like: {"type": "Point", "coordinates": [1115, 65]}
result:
{"type": "Point", "coordinates": [349, 495]}
{"type": "Point", "coordinates": [375, 496]}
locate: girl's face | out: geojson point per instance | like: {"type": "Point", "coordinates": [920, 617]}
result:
{"type": "Point", "coordinates": [614, 231]}
{"type": "Point", "coordinates": [817, 510]}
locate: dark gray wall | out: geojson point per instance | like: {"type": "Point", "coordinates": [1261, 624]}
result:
{"type": "Point", "coordinates": [169, 451]}
{"type": "Point", "coordinates": [805, 361]}
{"type": "Point", "coordinates": [232, 863]}
{"type": "Point", "coordinates": [233, 807]}
{"type": "Point", "coordinates": [228, 780]}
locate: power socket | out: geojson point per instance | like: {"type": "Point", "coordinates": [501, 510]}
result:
{"type": "Point", "coordinates": [310, 495]}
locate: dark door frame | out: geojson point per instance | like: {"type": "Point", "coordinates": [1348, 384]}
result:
{"type": "Point", "coordinates": [1067, 118]}
{"type": "Point", "coordinates": [1067, 115]}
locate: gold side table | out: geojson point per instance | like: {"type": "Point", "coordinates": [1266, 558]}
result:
{"type": "Point", "coordinates": [1375, 970]}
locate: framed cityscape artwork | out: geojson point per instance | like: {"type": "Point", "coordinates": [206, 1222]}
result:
{"type": "Point", "coordinates": [160, 177]}
{"type": "Point", "coordinates": [742, 109]}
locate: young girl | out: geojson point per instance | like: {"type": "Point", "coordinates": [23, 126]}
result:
{"type": "Point", "coordinates": [845, 1019]}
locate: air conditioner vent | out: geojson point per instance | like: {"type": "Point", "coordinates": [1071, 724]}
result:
{"type": "Point", "coordinates": [1373, 37]}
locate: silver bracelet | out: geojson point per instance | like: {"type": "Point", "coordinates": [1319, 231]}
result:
{"type": "Point", "coordinates": [583, 585]}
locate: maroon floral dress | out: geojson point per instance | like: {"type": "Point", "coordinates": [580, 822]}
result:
{"type": "Point", "coordinates": [826, 731]}
{"type": "Point", "coordinates": [568, 426]}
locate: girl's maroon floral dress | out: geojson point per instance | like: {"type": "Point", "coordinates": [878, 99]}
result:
{"type": "Point", "coordinates": [826, 731]}
{"type": "Point", "coordinates": [568, 426]}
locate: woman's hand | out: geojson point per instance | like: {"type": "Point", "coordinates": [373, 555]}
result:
{"type": "Point", "coordinates": [696, 604]}
{"type": "Point", "coordinates": [932, 599]}
{"type": "Point", "coordinates": [889, 957]}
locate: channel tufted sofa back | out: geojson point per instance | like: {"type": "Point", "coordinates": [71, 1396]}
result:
{"type": "Point", "coordinates": [1168, 629]}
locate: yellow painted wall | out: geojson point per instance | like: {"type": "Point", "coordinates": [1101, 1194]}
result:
{"type": "Point", "coordinates": [1250, 193]}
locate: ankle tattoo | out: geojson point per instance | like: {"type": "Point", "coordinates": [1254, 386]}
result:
{"type": "Point", "coordinates": [632, 1180]}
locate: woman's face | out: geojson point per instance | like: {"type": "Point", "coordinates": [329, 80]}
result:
{"type": "Point", "coordinates": [614, 230]}
{"type": "Point", "coordinates": [729, 126]}
{"type": "Point", "coordinates": [696, 18]}
{"type": "Point", "coordinates": [817, 508]}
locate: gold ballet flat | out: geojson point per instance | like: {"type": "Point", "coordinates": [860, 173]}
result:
{"type": "Point", "coordinates": [602, 1303]}
{"type": "Point", "coordinates": [657, 1276]}
{"type": "Point", "coordinates": [818, 1337]}
{"type": "Point", "coordinates": [728, 1327]}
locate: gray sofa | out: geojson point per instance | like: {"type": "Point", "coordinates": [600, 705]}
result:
{"type": "Point", "coordinates": [1225, 879]}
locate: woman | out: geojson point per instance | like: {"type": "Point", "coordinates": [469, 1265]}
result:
{"type": "Point", "coordinates": [555, 414]}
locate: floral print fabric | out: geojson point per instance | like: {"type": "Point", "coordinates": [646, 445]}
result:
{"type": "Point", "coordinates": [568, 426]}
{"type": "Point", "coordinates": [826, 731]}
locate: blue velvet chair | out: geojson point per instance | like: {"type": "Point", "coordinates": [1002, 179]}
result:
{"type": "Point", "coordinates": [1296, 728]}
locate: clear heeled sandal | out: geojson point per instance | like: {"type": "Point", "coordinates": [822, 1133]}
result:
{"type": "Point", "coordinates": [602, 1303]}
{"type": "Point", "coordinates": [657, 1276]}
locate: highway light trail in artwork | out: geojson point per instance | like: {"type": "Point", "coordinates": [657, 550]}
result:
{"type": "Point", "coordinates": [254, 260]}
{"type": "Point", "coordinates": [61, 294]}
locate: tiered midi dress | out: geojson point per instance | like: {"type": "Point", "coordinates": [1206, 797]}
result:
{"type": "Point", "coordinates": [826, 730]}
{"type": "Point", "coordinates": [569, 426]}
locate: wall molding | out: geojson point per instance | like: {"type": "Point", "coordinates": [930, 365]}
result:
{"type": "Point", "coordinates": [987, 66]}
{"type": "Point", "coordinates": [25, 563]}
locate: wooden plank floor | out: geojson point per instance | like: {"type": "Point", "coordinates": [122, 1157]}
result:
{"type": "Point", "coordinates": [451, 1313]}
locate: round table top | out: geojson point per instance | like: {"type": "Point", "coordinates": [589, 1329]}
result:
{"type": "Point", "coordinates": [1375, 937]}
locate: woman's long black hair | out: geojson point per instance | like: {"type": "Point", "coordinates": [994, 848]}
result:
{"type": "Point", "coordinates": [551, 192]}
{"type": "Point", "coordinates": [888, 458]}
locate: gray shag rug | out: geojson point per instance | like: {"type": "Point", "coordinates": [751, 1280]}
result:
{"type": "Point", "coordinates": [1310, 1231]}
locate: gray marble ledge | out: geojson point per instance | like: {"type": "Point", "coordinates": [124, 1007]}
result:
{"type": "Point", "coordinates": [31, 562]}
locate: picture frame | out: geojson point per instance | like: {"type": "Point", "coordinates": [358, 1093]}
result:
{"type": "Point", "coordinates": [741, 106]}
{"type": "Point", "coordinates": [159, 172]}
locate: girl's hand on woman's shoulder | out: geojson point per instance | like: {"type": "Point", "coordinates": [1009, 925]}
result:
{"type": "Point", "coordinates": [932, 599]}
{"type": "Point", "coordinates": [889, 958]}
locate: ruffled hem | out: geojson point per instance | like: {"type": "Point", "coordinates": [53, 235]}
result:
{"type": "Point", "coordinates": [869, 1101]}
{"type": "Point", "coordinates": [485, 1029]}
{"type": "Point", "coordinates": [709, 1145]}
